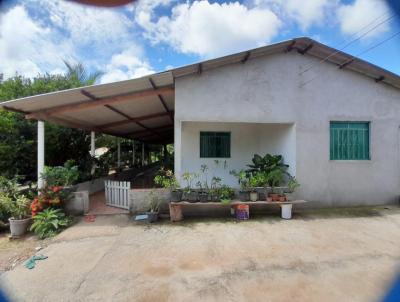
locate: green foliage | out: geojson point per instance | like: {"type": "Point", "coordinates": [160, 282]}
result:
{"type": "Point", "coordinates": [49, 222]}
{"type": "Point", "coordinates": [154, 201]}
{"type": "Point", "coordinates": [257, 180]}
{"type": "Point", "coordinates": [19, 207]}
{"type": "Point", "coordinates": [267, 163]}
{"type": "Point", "coordinates": [9, 186]}
{"type": "Point", "coordinates": [18, 135]}
{"type": "Point", "coordinates": [189, 178]}
{"type": "Point", "coordinates": [242, 177]}
{"type": "Point", "coordinates": [293, 184]}
{"type": "Point", "coordinates": [226, 192]}
{"type": "Point", "coordinates": [12, 202]}
{"type": "Point", "coordinates": [66, 175]}
{"type": "Point", "coordinates": [166, 179]}
{"type": "Point", "coordinates": [274, 178]}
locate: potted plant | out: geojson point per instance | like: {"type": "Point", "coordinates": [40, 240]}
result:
{"type": "Point", "coordinates": [154, 207]}
{"type": "Point", "coordinates": [273, 179]}
{"type": "Point", "coordinates": [204, 189]}
{"type": "Point", "coordinates": [243, 181]}
{"type": "Point", "coordinates": [256, 180]}
{"type": "Point", "coordinates": [191, 194]}
{"type": "Point", "coordinates": [293, 184]}
{"type": "Point", "coordinates": [226, 193]}
{"type": "Point", "coordinates": [167, 180]}
{"type": "Point", "coordinates": [215, 188]}
{"type": "Point", "coordinates": [20, 218]}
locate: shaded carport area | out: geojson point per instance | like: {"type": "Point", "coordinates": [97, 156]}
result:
{"type": "Point", "coordinates": [140, 109]}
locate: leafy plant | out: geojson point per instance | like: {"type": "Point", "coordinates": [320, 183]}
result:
{"type": "Point", "coordinates": [166, 179]}
{"type": "Point", "coordinates": [204, 169]}
{"type": "Point", "coordinates": [243, 179]}
{"type": "Point", "coordinates": [293, 184]}
{"type": "Point", "coordinates": [274, 178]}
{"type": "Point", "coordinates": [49, 222]}
{"type": "Point", "coordinates": [189, 178]}
{"type": "Point", "coordinates": [267, 163]}
{"type": "Point", "coordinates": [65, 175]}
{"type": "Point", "coordinates": [9, 186]}
{"type": "Point", "coordinates": [154, 201]}
{"type": "Point", "coordinates": [226, 192]}
{"type": "Point", "coordinates": [257, 180]}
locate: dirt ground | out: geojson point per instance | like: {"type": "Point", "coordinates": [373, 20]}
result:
{"type": "Point", "coordinates": [325, 255]}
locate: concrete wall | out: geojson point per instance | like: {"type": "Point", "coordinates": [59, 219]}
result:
{"type": "Point", "coordinates": [272, 90]}
{"type": "Point", "coordinates": [79, 203]}
{"type": "Point", "coordinates": [139, 201]}
{"type": "Point", "coordinates": [246, 140]}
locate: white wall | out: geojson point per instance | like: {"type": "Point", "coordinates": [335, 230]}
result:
{"type": "Point", "coordinates": [271, 90]}
{"type": "Point", "coordinates": [246, 140]}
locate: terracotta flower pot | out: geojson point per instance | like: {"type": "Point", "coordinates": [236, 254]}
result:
{"type": "Point", "coordinates": [274, 196]}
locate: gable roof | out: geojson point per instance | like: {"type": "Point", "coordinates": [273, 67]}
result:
{"type": "Point", "coordinates": [143, 108]}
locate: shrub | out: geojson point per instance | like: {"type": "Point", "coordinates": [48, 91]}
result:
{"type": "Point", "coordinates": [49, 222]}
{"type": "Point", "coordinates": [19, 207]}
{"type": "Point", "coordinates": [54, 196]}
{"type": "Point", "coordinates": [166, 179]}
{"type": "Point", "coordinates": [66, 175]}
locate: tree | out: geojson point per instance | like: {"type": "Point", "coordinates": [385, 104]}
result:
{"type": "Point", "coordinates": [18, 136]}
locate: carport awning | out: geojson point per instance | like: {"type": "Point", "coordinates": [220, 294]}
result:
{"type": "Point", "coordinates": [141, 109]}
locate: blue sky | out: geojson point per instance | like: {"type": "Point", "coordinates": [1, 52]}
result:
{"type": "Point", "coordinates": [154, 35]}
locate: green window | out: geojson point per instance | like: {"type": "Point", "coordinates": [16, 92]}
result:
{"type": "Point", "coordinates": [349, 140]}
{"type": "Point", "coordinates": [215, 144]}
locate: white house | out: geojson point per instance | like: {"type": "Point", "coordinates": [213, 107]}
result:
{"type": "Point", "coordinates": [333, 117]}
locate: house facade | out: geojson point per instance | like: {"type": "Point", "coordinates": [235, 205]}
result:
{"type": "Point", "coordinates": [334, 118]}
{"type": "Point", "coordinates": [337, 129]}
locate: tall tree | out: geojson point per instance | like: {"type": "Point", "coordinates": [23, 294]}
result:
{"type": "Point", "coordinates": [18, 135]}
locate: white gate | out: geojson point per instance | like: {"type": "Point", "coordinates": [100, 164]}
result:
{"type": "Point", "coordinates": [117, 193]}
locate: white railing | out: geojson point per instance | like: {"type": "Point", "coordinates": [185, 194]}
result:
{"type": "Point", "coordinates": [117, 193]}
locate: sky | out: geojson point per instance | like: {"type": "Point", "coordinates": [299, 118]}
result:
{"type": "Point", "coordinates": [36, 36]}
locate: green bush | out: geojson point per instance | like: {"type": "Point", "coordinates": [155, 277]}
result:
{"type": "Point", "coordinates": [49, 222]}
{"type": "Point", "coordinates": [66, 175]}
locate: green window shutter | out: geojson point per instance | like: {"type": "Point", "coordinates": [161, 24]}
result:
{"type": "Point", "coordinates": [215, 144]}
{"type": "Point", "coordinates": [349, 140]}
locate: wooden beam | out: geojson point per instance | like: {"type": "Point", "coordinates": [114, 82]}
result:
{"type": "Point", "coordinates": [199, 68]}
{"type": "Point", "coordinates": [118, 112]}
{"type": "Point", "coordinates": [161, 99]}
{"type": "Point", "coordinates": [343, 65]}
{"type": "Point", "coordinates": [134, 120]}
{"type": "Point", "coordinates": [246, 57]}
{"type": "Point", "coordinates": [307, 48]}
{"type": "Point", "coordinates": [144, 132]}
{"type": "Point", "coordinates": [379, 79]}
{"type": "Point", "coordinates": [14, 110]}
{"type": "Point", "coordinates": [89, 95]}
{"type": "Point", "coordinates": [43, 114]}
{"type": "Point", "coordinates": [290, 46]}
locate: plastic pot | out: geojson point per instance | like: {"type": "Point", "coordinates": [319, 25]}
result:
{"type": "Point", "coordinates": [176, 196]}
{"type": "Point", "coordinates": [243, 196]}
{"type": "Point", "coordinates": [193, 196]}
{"type": "Point", "coordinates": [203, 197]}
{"type": "Point", "coordinates": [152, 216]}
{"type": "Point", "coordinates": [18, 227]}
{"type": "Point", "coordinates": [254, 196]}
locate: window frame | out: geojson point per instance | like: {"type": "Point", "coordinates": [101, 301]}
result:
{"type": "Point", "coordinates": [216, 132]}
{"type": "Point", "coordinates": [368, 123]}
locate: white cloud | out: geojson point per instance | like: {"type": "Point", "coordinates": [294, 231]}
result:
{"type": "Point", "coordinates": [355, 16]}
{"type": "Point", "coordinates": [100, 39]}
{"type": "Point", "coordinates": [126, 65]}
{"type": "Point", "coordinates": [305, 13]}
{"type": "Point", "coordinates": [25, 46]}
{"type": "Point", "coordinates": [211, 29]}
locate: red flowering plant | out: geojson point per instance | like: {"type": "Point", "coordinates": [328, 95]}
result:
{"type": "Point", "coordinates": [54, 196]}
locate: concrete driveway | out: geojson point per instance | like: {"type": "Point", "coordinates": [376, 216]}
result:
{"type": "Point", "coordinates": [334, 255]}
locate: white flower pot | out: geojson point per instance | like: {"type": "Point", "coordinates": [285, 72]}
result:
{"type": "Point", "coordinates": [18, 227]}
